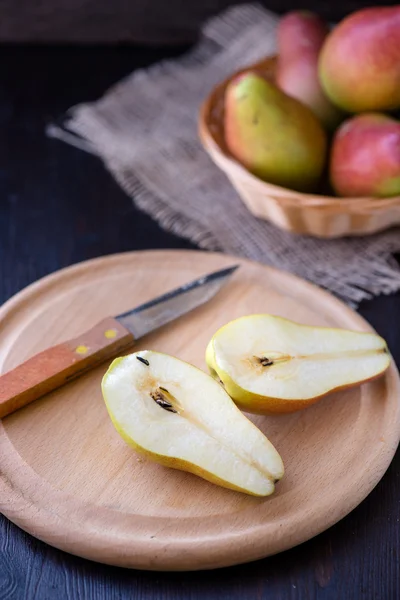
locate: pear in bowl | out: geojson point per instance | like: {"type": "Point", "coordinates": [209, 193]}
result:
{"type": "Point", "coordinates": [180, 417]}
{"type": "Point", "coordinates": [269, 364]}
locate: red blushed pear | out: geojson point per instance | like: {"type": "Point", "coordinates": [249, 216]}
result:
{"type": "Point", "coordinates": [359, 64]}
{"type": "Point", "coordinates": [301, 30]}
{"type": "Point", "coordinates": [301, 35]}
{"type": "Point", "coordinates": [365, 157]}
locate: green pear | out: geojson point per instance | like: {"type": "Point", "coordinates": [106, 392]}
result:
{"type": "Point", "coordinates": [274, 136]}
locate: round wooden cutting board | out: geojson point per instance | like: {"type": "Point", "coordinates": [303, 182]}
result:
{"type": "Point", "coordinates": [70, 480]}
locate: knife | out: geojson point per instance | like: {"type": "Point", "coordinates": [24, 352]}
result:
{"type": "Point", "coordinates": [59, 364]}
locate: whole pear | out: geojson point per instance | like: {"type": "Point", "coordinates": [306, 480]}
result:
{"type": "Point", "coordinates": [365, 157]}
{"type": "Point", "coordinates": [359, 64]}
{"type": "Point", "coordinates": [276, 137]}
{"type": "Point", "coordinates": [301, 35]}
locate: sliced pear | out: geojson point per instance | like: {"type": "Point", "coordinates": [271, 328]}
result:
{"type": "Point", "coordinates": [270, 364]}
{"type": "Point", "coordinates": [181, 417]}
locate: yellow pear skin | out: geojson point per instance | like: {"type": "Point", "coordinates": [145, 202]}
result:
{"type": "Point", "coordinates": [274, 136]}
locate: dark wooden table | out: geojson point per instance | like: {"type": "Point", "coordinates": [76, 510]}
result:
{"type": "Point", "coordinates": [59, 206]}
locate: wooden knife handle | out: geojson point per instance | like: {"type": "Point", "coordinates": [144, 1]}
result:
{"type": "Point", "coordinates": [55, 366]}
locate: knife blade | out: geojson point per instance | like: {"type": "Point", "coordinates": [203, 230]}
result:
{"type": "Point", "coordinates": [56, 366]}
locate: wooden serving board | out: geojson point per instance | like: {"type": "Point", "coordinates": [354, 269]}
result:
{"type": "Point", "coordinates": [69, 479]}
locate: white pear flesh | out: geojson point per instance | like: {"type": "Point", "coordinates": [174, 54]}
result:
{"type": "Point", "coordinates": [264, 359]}
{"type": "Point", "coordinates": [207, 435]}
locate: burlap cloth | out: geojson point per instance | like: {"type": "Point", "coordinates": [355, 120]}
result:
{"type": "Point", "coordinates": [145, 131]}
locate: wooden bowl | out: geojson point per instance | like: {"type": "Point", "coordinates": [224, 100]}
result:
{"type": "Point", "coordinates": [310, 214]}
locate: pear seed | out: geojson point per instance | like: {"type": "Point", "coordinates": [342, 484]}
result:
{"type": "Point", "coordinates": [143, 360]}
{"type": "Point", "coordinates": [266, 362]}
{"type": "Point", "coordinates": [161, 400]}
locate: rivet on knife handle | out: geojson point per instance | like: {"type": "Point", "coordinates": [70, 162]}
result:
{"type": "Point", "coordinates": [55, 366]}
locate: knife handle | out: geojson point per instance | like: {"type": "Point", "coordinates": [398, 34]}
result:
{"type": "Point", "coordinates": [59, 364]}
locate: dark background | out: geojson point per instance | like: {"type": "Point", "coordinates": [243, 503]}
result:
{"type": "Point", "coordinates": [59, 206]}
{"type": "Point", "coordinates": [135, 21]}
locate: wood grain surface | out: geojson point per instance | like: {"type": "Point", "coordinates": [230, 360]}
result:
{"type": "Point", "coordinates": [70, 480]}
{"type": "Point", "coordinates": [59, 206]}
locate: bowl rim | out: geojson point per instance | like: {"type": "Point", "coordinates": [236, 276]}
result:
{"type": "Point", "coordinates": [288, 196]}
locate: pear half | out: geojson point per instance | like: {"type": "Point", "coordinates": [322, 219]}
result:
{"type": "Point", "coordinates": [269, 364]}
{"type": "Point", "coordinates": [181, 417]}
